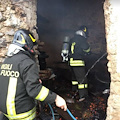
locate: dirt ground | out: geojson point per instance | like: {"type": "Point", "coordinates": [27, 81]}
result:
{"type": "Point", "coordinates": [92, 108]}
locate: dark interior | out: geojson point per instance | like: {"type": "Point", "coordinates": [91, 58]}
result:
{"type": "Point", "coordinates": [59, 18]}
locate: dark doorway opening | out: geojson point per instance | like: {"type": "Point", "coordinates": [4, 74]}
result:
{"type": "Point", "coordinates": [59, 18]}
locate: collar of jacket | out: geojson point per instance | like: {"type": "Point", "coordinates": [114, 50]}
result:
{"type": "Point", "coordinates": [13, 49]}
{"type": "Point", "coordinates": [28, 54]}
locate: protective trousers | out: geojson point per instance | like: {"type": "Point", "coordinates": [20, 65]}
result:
{"type": "Point", "coordinates": [79, 82]}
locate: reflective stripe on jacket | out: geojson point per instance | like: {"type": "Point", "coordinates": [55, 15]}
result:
{"type": "Point", "coordinates": [76, 62]}
{"type": "Point", "coordinates": [87, 50]}
{"type": "Point", "coordinates": [19, 79]}
{"type": "Point", "coordinates": [78, 48]}
{"type": "Point", "coordinates": [30, 115]}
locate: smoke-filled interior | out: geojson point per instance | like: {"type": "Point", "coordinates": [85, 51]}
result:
{"type": "Point", "coordinates": [57, 19]}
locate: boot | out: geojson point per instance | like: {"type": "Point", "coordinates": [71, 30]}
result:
{"type": "Point", "coordinates": [83, 94]}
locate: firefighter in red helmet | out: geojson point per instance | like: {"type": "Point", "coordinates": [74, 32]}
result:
{"type": "Point", "coordinates": [79, 47]}
{"type": "Point", "coordinates": [19, 79]}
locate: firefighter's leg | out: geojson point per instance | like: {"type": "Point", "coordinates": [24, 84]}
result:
{"type": "Point", "coordinates": [72, 94]}
{"type": "Point", "coordinates": [83, 92]}
{"type": "Point", "coordinates": [74, 80]}
{"type": "Point", "coordinates": [82, 82]}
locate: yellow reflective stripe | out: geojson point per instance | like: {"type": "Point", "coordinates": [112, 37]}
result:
{"type": "Point", "coordinates": [23, 40]}
{"type": "Point", "coordinates": [32, 38]}
{"type": "Point", "coordinates": [72, 47]}
{"type": "Point", "coordinates": [10, 103]}
{"type": "Point", "coordinates": [74, 83]}
{"type": "Point", "coordinates": [23, 116]}
{"type": "Point", "coordinates": [76, 62]}
{"type": "Point", "coordinates": [85, 29]}
{"type": "Point", "coordinates": [42, 94]}
{"type": "Point", "coordinates": [82, 86]}
{"type": "Point", "coordinates": [86, 85]}
{"type": "Point", "coordinates": [88, 50]}
{"type": "Point", "coordinates": [31, 117]}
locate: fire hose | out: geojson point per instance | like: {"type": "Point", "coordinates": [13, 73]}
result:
{"type": "Point", "coordinates": [71, 114]}
{"type": "Point", "coordinates": [52, 111]}
{"type": "Point", "coordinates": [94, 64]}
{"type": "Point", "coordinates": [67, 112]}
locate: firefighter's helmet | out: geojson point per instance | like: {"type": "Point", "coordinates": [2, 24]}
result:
{"type": "Point", "coordinates": [83, 31]}
{"type": "Point", "coordinates": [24, 39]}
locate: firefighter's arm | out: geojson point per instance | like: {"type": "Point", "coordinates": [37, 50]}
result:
{"type": "Point", "coordinates": [86, 48]}
{"type": "Point", "coordinates": [37, 90]}
{"type": "Point", "coordinates": [87, 51]}
{"type": "Point", "coordinates": [30, 76]}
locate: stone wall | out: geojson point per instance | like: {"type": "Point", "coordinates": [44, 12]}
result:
{"type": "Point", "coordinates": [112, 23]}
{"type": "Point", "coordinates": [15, 14]}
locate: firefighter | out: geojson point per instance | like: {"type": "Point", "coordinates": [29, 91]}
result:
{"type": "Point", "coordinates": [19, 80]}
{"type": "Point", "coordinates": [79, 47]}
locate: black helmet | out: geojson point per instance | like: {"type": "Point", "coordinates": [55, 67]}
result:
{"type": "Point", "coordinates": [84, 29]}
{"type": "Point", "coordinates": [24, 38]}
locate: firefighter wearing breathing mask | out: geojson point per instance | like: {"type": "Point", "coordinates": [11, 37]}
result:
{"type": "Point", "coordinates": [79, 47]}
{"type": "Point", "coordinates": [19, 81]}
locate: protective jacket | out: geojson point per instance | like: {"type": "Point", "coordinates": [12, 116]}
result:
{"type": "Point", "coordinates": [19, 87]}
{"type": "Point", "coordinates": [78, 48]}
